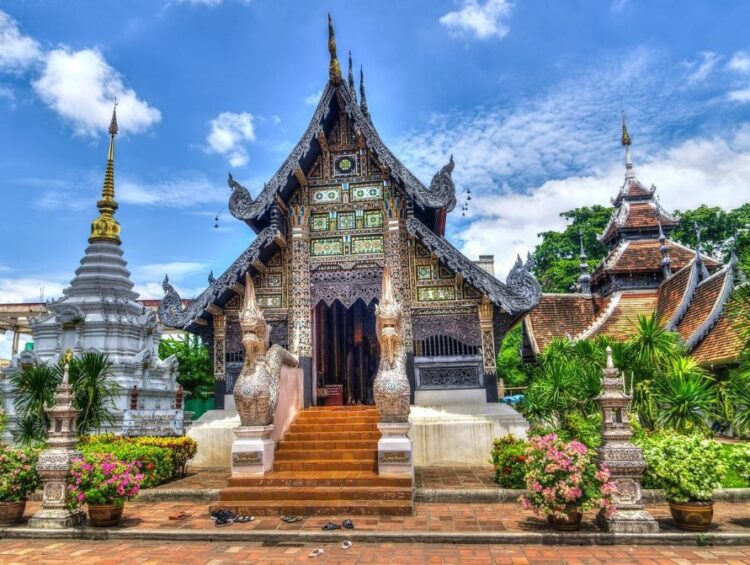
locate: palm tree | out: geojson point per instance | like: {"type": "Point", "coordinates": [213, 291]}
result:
{"type": "Point", "coordinates": [34, 390]}
{"type": "Point", "coordinates": [94, 390]}
{"type": "Point", "coordinates": [685, 397]}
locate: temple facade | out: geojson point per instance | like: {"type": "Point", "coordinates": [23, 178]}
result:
{"type": "Point", "coordinates": [339, 210]}
{"type": "Point", "coordinates": [645, 271]}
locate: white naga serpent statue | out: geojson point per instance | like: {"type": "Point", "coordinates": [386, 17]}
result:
{"type": "Point", "coordinates": [256, 391]}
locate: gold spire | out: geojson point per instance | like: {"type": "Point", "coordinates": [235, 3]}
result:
{"type": "Point", "coordinates": [105, 226]}
{"type": "Point", "coordinates": [625, 135]}
{"type": "Point", "coordinates": [334, 70]}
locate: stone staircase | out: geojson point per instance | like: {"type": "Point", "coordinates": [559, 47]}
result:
{"type": "Point", "coordinates": [326, 464]}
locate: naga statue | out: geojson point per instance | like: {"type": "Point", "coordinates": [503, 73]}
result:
{"type": "Point", "coordinates": [391, 386]}
{"type": "Point", "coordinates": [256, 391]}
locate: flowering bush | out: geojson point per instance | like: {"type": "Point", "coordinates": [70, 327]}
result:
{"type": "Point", "coordinates": [18, 474]}
{"type": "Point", "coordinates": [508, 456]}
{"type": "Point", "coordinates": [102, 478]}
{"type": "Point", "coordinates": [155, 462]}
{"type": "Point", "coordinates": [686, 468]}
{"type": "Point", "coordinates": [562, 478]}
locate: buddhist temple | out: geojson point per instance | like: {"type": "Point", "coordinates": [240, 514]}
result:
{"type": "Point", "coordinates": [340, 209]}
{"type": "Point", "coordinates": [644, 271]}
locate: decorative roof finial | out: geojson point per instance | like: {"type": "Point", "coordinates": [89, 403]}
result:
{"type": "Point", "coordinates": [351, 78]}
{"type": "Point", "coordinates": [584, 279]}
{"type": "Point", "coordinates": [362, 95]}
{"type": "Point", "coordinates": [626, 142]}
{"type": "Point", "coordinates": [105, 227]}
{"type": "Point", "coordinates": [734, 261]}
{"type": "Point", "coordinates": [334, 70]}
{"type": "Point", "coordinates": [666, 262]}
{"type": "Point", "coordinates": [704, 274]}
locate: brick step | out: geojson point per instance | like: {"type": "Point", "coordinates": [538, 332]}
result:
{"type": "Point", "coordinates": [337, 421]}
{"type": "Point", "coordinates": [360, 408]}
{"type": "Point", "coordinates": [326, 465]}
{"type": "Point", "coordinates": [302, 455]}
{"type": "Point", "coordinates": [317, 507]}
{"type": "Point", "coordinates": [319, 479]}
{"type": "Point", "coordinates": [328, 428]}
{"type": "Point", "coordinates": [331, 436]}
{"type": "Point", "coordinates": [285, 493]}
{"type": "Point", "coordinates": [327, 444]}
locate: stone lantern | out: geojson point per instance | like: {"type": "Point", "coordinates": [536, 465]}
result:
{"type": "Point", "coordinates": [55, 461]}
{"type": "Point", "coordinates": [623, 458]}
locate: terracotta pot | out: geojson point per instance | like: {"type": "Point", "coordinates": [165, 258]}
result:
{"type": "Point", "coordinates": [11, 512]}
{"type": "Point", "coordinates": [692, 516]}
{"type": "Point", "coordinates": [571, 523]}
{"type": "Point", "coordinates": [105, 514]}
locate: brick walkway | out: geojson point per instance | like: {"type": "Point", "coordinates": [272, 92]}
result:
{"type": "Point", "coordinates": [191, 553]}
{"type": "Point", "coordinates": [428, 517]}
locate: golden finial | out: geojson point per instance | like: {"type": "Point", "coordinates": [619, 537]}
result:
{"type": "Point", "coordinates": [625, 135]}
{"type": "Point", "coordinates": [67, 357]}
{"type": "Point", "coordinates": [105, 226]}
{"type": "Point", "coordinates": [334, 70]}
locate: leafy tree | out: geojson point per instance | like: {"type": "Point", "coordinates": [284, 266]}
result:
{"type": "Point", "coordinates": [556, 257]}
{"type": "Point", "coordinates": [510, 365]}
{"type": "Point", "coordinates": [193, 362]}
{"type": "Point", "coordinates": [718, 228]}
{"type": "Point", "coordinates": [34, 390]}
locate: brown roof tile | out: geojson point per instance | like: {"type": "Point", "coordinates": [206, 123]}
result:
{"type": "Point", "coordinates": [702, 304]}
{"type": "Point", "coordinates": [621, 324]}
{"type": "Point", "coordinates": [672, 293]}
{"type": "Point", "coordinates": [561, 315]}
{"type": "Point", "coordinates": [722, 344]}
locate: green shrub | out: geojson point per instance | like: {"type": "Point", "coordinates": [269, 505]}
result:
{"type": "Point", "coordinates": [18, 474]}
{"type": "Point", "coordinates": [739, 461]}
{"type": "Point", "coordinates": [157, 464]}
{"type": "Point", "coordinates": [509, 459]}
{"type": "Point", "coordinates": [686, 468]}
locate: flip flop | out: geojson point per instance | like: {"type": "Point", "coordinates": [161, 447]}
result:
{"type": "Point", "coordinates": [331, 526]}
{"type": "Point", "coordinates": [346, 544]}
{"type": "Point", "coordinates": [348, 524]}
{"type": "Point", "coordinates": [317, 552]}
{"type": "Point", "coordinates": [180, 516]}
{"type": "Point", "coordinates": [291, 519]}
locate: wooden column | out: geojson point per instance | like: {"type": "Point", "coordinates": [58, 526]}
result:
{"type": "Point", "coordinates": [219, 349]}
{"type": "Point", "coordinates": [300, 320]}
{"type": "Point", "coordinates": [492, 385]}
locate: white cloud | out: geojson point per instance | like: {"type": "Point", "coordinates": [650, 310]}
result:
{"type": "Point", "coordinates": [740, 95]}
{"type": "Point", "coordinates": [482, 21]}
{"type": "Point", "coordinates": [17, 51]}
{"type": "Point", "coordinates": [177, 270]}
{"type": "Point", "coordinates": [172, 192]}
{"type": "Point", "coordinates": [740, 62]}
{"type": "Point", "coordinates": [81, 87]}
{"type": "Point", "coordinates": [507, 223]}
{"type": "Point", "coordinates": [699, 70]}
{"type": "Point", "coordinates": [29, 288]}
{"type": "Point", "coordinates": [228, 132]}
{"type": "Point", "coordinates": [312, 99]}
{"type": "Point", "coordinates": [6, 343]}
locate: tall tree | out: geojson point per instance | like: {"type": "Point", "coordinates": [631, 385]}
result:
{"type": "Point", "coordinates": [193, 362]}
{"type": "Point", "coordinates": [718, 228]}
{"type": "Point", "coordinates": [556, 257]}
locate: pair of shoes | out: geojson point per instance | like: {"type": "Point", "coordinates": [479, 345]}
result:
{"type": "Point", "coordinates": [223, 517]}
{"type": "Point", "coordinates": [291, 519]}
{"type": "Point", "coordinates": [244, 519]}
{"type": "Point", "coordinates": [348, 524]}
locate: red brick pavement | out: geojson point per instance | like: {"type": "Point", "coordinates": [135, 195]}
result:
{"type": "Point", "coordinates": [193, 553]}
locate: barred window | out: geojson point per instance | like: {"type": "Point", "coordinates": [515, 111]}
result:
{"type": "Point", "coordinates": [443, 346]}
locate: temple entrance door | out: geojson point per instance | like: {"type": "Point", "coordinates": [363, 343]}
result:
{"type": "Point", "coordinates": [346, 352]}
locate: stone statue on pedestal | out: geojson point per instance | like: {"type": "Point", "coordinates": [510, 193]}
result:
{"type": "Point", "coordinates": [623, 458]}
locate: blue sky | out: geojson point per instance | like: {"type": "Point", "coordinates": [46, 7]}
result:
{"type": "Point", "coordinates": [526, 94]}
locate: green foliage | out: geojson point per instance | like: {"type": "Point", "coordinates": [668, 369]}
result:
{"type": "Point", "coordinates": [685, 397]}
{"type": "Point", "coordinates": [94, 389]}
{"type": "Point", "coordinates": [556, 257]}
{"type": "Point", "coordinates": [737, 455]}
{"type": "Point", "coordinates": [510, 366]}
{"type": "Point", "coordinates": [193, 362]}
{"type": "Point", "coordinates": [34, 389]}
{"type": "Point", "coordinates": [18, 474]}
{"type": "Point", "coordinates": [508, 456]}
{"type": "Point", "coordinates": [685, 467]}
{"type": "Point", "coordinates": [155, 463]}
{"type": "Point", "coordinates": [718, 228]}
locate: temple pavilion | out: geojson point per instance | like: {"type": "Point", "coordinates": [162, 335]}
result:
{"type": "Point", "coordinates": [645, 271]}
{"type": "Point", "coordinates": [340, 208]}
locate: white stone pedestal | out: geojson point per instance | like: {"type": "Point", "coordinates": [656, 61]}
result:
{"type": "Point", "coordinates": [395, 451]}
{"type": "Point", "coordinates": [252, 451]}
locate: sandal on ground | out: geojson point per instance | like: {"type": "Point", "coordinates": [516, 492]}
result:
{"type": "Point", "coordinates": [346, 544]}
{"type": "Point", "coordinates": [331, 526]}
{"type": "Point", "coordinates": [180, 516]}
{"type": "Point", "coordinates": [244, 519]}
{"type": "Point", "coordinates": [348, 524]}
{"type": "Point", "coordinates": [317, 552]}
{"type": "Point", "coordinates": [291, 519]}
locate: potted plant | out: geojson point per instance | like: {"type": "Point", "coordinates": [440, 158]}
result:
{"type": "Point", "coordinates": [104, 483]}
{"type": "Point", "coordinates": [18, 478]}
{"type": "Point", "coordinates": [563, 481]}
{"type": "Point", "coordinates": [508, 456]}
{"type": "Point", "coordinates": [688, 468]}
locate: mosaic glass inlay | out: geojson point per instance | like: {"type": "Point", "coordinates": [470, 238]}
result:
{"type": "Point", "coordinates": [325, 195]}
{"type": "Point", "coordinates": [346, 221]}
{"type": "Point", "coordinates": [274, 280]}
{"type": "Point", "coordinates": [373, 219]}
{"type": "Point", "coordinates": [424, 272]}
{"type": "Point", "coordinates": [269, 300]}
{"type": "Point", "coordinates": [366, 193]}
{"type": "Point", "coordinates": [367, 244]}
{"type": "Point", "coordinates": [327, 246]}
{"type": "Point", "coordinates": [319, 222]}
{"type": "Point", "coordinates": [345, 165]}
{"type": "Point", "coordinates": [431, 293]}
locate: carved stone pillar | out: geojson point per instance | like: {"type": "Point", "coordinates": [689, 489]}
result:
{"type": "Point", "coordinates": [492, 385]}
{"type": "Point", "coordinates": [397, 261]}
{"type": "Point", "coordinates": [219, 351]}
{"type": "Point", "coordinates": [300, 319]}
